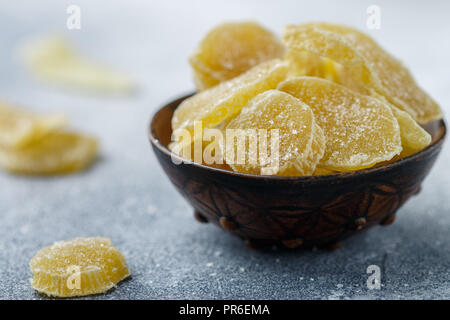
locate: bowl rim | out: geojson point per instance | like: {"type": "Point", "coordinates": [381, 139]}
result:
{"type": "Point", "coordinates": [341, 175]}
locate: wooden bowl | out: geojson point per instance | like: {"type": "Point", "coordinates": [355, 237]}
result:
{"type": "Point", "coordinates": [294, 211]}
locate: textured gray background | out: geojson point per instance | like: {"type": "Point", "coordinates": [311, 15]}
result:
{"type": "Point", "coordinates": [126, 197]}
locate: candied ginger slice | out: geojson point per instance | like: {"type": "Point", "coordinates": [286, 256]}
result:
{"type": "Point", "coordinates": [97, 264]}
{"type": "Point", "coordinates": [301, 141]}
{"type": "Point", "coordinates": [56, 153]}
{"type": "Point", "coordinates": [366, 62]}
{"type": "Point", "coordinates": [53, 60]}
{"type": "Point", "coordinates": [19, 128]}
{"type": "Point", "coordinates": [225, 100]}
{"type": "Point", "coordinates": [230, 49]}
{"type": "Point", "coordinates": [360, 130]}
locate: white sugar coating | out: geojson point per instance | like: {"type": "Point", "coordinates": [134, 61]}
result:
{"type": "Point", "coordinates": [367, 63]}
{"type": "Point", "coordinates": [360, 131]}
{"type": "Point", "coordinates": [275, 110]}
{"type": "Point", "coordinates": [96, 263]}
{"type": "Point", "coordinates": [414, 137]}
{"type": "Point", "coordinates": [221, 102]}
{"type": "Point", "coordinates": [83, 252]}
{"type": "Point", "coordinates": [99, 266]}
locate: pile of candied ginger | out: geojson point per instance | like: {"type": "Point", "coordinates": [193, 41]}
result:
{"type": "Point", "coordinates": [338, 101]}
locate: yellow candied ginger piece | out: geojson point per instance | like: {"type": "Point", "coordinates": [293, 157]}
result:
{"type": "Point", "coordinates": [304, 63]}
{"type": "Point", "coordinates": [414, 137]}
{"type": "Point", "coordinates": [219, 103]}
{"type": "Point", "coordinates": [19, 128]}
{"type": "Point", "coordinates": [231, 49]}
{"type": "Point", "coordinates": [56, 153]}
{"type": "Point", "coordinates": [366, 63]}
{"type": "Point", "coordinates": [301, 141]}
{"type": "Point", "coordinates": [78, 267]}
{"type": "Point", "coordinates": [360, 130]}
{"type": "Point", "coordinates": [54, 60]}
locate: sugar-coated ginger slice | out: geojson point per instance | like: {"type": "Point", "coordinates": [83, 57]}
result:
{"type": "Point", "coordinates": [367, 63]}
{"type": "Point", "coordinates": [54, 60]}
{"type": "Point", "coordinates": [360, 130]}
{"type": "Point", "coordinates": [19, 128]}
{"type": "Point", "coordinates": [78, 267]}
{"type": "Point", "coordinates": [56, 153]}
{"type": "Point", "coordinates": [414, 137]}
{"type": "Point", "coordinates": [230, 49]}
{"type": "Point", "coordinates": [301, 142]}
{"type": "Point", "coordinates": [225, 100]}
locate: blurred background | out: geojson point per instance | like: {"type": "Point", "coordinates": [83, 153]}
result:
{"type": "Point", "coordinates": [125, 196]}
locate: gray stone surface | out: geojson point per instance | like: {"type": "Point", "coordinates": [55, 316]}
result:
{"type": "Point", "coordinates": [126, 196]}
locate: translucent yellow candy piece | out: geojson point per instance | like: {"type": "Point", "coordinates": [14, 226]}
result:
{"type": "Point", "coordinates": [230, 49]}
{"type": "Point", "coordinates": [304, 63]}
{"type": "Point", "coordinates": [56, 153]}
{"type": "Point", "coordinates": [225, 100]}
{"type": "Point", "coordinates": [301, 141]}
{"type": "Point", "coordinates": [367, 63]}
{"type": "Point", "coordinates": [78, 267]}
{"type": "Point", "coordinates": [360, 130]}
{"type": "Point", "coordinates": [54, 60]}
{"type": "Point", "coordinates": [19, 128]}
{"type": "Point", "coordinates": [414, 137]}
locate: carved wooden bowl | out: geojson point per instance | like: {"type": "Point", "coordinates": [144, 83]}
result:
{"type": "Point", "coordinates": [294, 211]}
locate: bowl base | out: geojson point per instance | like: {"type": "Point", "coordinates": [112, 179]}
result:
{"type": "Point", "coordinates": [258, 244]}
